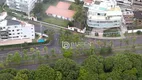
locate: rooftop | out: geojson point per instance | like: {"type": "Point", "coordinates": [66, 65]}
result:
{"type": "Point", "coordinates": [13, 22]}
{"type": "Point", "coordinates": [138, 14]}
{"type": "Point", "coordinates": [63, 5]}
{"type": "Point", "coordinates": [61, 10]}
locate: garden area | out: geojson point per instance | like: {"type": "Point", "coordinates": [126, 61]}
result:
{"type": "Point", "coordinates": [42, 7]}
{"type": "Point", "coordinates": [111, 33]}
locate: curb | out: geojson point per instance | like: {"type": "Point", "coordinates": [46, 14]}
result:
{"type": "Point", "coordinates": [105, 37]}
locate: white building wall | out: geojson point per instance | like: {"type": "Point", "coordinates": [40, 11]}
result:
{"type": "Point", "coordinates": [21, 5]}
{"type": "Point", "coordinates": [18, 31]}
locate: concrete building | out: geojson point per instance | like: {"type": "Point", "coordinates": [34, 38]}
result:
{"type": "Point", "coordinates": [14, 29]}
{"type": "Point", "coordinates": [104, 14]}
{"type": "Point", "coordinates": [128, 16]}
{"type": "Point", "coordinates": [138, 18]}
{"type": "Point", "coordinates": [21, 5]}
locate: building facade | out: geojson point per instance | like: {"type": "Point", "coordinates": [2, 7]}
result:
{"type": "Point", "coordinates": [21, 5]}
{"type": "Point", "coordinates": [14, 29]}
{"type": "Point", "coordinates": [104, 14]}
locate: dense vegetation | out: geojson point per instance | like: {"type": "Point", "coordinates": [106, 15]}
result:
{"type": "Point", "coordinates": [127, 66]}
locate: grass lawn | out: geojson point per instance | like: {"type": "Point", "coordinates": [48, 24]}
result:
{"type": "Point", "coordinates": [56, 21]}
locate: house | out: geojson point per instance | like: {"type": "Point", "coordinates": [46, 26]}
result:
{"type": "Point", "coordinates": [25, 6]}
{"type": "Point", "coordinates": [128, 16]}
{"type": "Point", "coordinates": [61, 10]}
{"type": "Point", "coordinates": [73, 0]}
{"type": "Point", "coordinates": [104, 14]}
{"type": "Point", "coordinates": [138, 18]}
{"type": "Point", "coordinates": [13, 29]}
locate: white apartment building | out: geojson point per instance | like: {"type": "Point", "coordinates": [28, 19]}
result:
{"type": "Point", "coordinates": [104, 14]}
{"type": "Point", "coordinates": [15, 29]}
{"type": "Point", "coordinates": [21, 5]}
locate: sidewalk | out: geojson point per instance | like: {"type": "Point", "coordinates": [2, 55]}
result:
{"type": "Point", "coordinates": [12, 42]}
{"type": "Point", "coordinates": [97, 37]}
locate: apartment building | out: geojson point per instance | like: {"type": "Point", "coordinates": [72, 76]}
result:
{"type": "Point", "coordinates": [128, 16]}
{"type": "Point", "coordinates": [21, 5]}
{"type": "Point", "coordinates": [14, 29]}
{"type": "Point", "coordinates": [104, 14]}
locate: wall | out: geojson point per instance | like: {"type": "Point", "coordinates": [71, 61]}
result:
{"type": "Point", "coordinates": [134, 31]}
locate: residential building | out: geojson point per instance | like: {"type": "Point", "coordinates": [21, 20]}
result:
{"type": "Point", "coordinates": [61, 10]}
{"type": "Point", "coordinates": [128, 16]}
{"type": "Point", "coordinates": [104, 14]}
{"type": "Point", "coordinates": [14, 29]}
{"type": "Point", "coordinates": [73, 0]}
{"type": "Point", "coordinates": [21, 5]}
{"type": "Point", "coordinates": [138, 18]}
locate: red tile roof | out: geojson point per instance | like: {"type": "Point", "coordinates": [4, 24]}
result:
{"type": "Point", "coordinates": [63, 5]}
{"type": "Point", "coordinates": [88, 1]}
{"type": "Point", "coordinates": [61, 10]}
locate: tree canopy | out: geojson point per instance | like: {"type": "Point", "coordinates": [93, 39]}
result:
{"type": "Point", "coordinates": [126, 66]}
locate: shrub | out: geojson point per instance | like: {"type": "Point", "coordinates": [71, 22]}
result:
{"type": "Point", "coordinates": [139, 32]}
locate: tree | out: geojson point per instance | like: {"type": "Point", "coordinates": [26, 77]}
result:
{"type": "Point", "coordinates": [10, 71]}
{"type": "Point", "coordinates": [32, 50]}
{"type": "Point", "coordinates": [45, 49]}
{"type": "Point", "coordinates": [44, 72]}
{"type": "Point", "coordinates": [38, 10]}
{"type": "Point", "coordinates": [8, 59]}
{"type": "Point", "coordinates": [77, 1]}
{"type": "Point", "coordinates": [68, 53]}
{"type": "Point", "coordinates": [6, 76]}
{"type": "Point", "coordinates": [68, 68]}
{"type": "Point", "coordinates": [91, 68]}
{"type": "Point", "coordinates": [16, 58]}
{"type": "Point", "coordinates": [22, 75]}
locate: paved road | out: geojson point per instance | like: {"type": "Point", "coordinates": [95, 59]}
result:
{"type": "Point", "coordinates": [55, 45]}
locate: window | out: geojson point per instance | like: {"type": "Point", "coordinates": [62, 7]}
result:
{"type": "Point", "coordinates": [25, 36]}
{"type": "Point", "coordinates": [13, 30]}
{"type": "Point", "coordinates": [98, 13]}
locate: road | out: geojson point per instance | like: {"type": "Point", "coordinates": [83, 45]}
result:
{"type": "Point", "coordinates": [55, 42]}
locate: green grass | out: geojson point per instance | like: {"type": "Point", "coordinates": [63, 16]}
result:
{"type": "Point", "coordinates": [56, 21]}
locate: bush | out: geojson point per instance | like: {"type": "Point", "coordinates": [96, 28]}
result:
{"type": "Point", "coordinates": [70, 24]}
{"type": "Point", "coordinates": [68, 54]}
{"type": "Point", "coordinates": [106, 50]}
{"type": "Point", "coordinates": [139, 32]}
